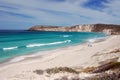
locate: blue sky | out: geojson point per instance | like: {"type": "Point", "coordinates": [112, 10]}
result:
{"type": "Point", "coordinates": [22, 14]}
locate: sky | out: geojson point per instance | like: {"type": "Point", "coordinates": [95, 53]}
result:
{"type": "Point", "coordinates": [22, 14]}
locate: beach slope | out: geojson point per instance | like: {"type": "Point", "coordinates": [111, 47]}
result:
{"type": "Point", "coordinates": [80, 56]}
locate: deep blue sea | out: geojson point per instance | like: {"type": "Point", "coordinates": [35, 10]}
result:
{"type": "Point", "coordinates": [17, 42]}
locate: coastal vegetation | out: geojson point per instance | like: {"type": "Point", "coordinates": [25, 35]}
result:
{"type": "Point", "coordinates": [61, 69]}
{"type": "Point", "coordinates": [108, 71]}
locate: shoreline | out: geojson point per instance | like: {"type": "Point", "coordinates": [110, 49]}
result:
{"type": "Point", "coordinates": [80, 56]}
{"type": "Point", "coordinates": [39, 54]}
{"type": "Point", "coordinates": [45, 53]}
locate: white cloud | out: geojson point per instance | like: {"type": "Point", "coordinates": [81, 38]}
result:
{"type": "Point", "coordinates": [77, 14]}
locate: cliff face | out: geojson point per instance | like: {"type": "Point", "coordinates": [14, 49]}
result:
{"type": "Point", "coordinates": [106, 28]}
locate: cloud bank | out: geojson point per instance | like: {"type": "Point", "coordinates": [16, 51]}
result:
{"type": "Point", "coordinates": [22, 14]}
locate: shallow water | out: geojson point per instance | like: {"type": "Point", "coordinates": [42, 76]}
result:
{"type": "Point", "coordinates": [17, 43]}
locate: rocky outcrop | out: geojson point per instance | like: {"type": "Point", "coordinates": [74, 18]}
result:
{"type": "Point", "coordinates": [106, 28]}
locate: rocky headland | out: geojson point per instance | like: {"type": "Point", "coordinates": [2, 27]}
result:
{"type": "Point", "coordinates": [106, 28]}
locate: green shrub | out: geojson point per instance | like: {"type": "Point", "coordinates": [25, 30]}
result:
{"type": "Point", "coordinates": [40, 72]}
{"type": "Point", "coordinates": [61, 69]}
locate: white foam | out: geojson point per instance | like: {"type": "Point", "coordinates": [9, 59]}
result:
{"type": "Point", "coordinates": [34, 45]}
{"type": "Point", "coordinates": [37, 44]}
{"type": "Point", "coordinates": [96, 39]}
{"type": "Point", "coordinates": [20, 58]}
{"type": "Point", "coordinates": [17, 59]}
{"type": "Point", "coordinates": [66, 35]}
{"type": "Point", "coordinates": [68, 41]}
{"type": "Point", "coordinates": [10, 48]}
{"type": "Point", "coordinates": [91, 40]}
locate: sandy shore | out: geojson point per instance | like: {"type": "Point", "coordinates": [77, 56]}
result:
{"type": "Point", "coordinates": [80, 56]}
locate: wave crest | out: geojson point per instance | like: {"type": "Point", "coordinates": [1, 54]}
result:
{"type": "Point", "coordinates": [66, 35]}
{"type": "Point", "coordinates": [10, 48]}
{"type": "Point", "coordinates": [38, 45]}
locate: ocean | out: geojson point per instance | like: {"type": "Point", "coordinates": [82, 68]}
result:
{"type": "Point", "coordinates": [15, 43]}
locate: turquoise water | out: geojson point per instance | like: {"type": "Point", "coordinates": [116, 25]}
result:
{"type": "Point", "coordinates": [17, 43]}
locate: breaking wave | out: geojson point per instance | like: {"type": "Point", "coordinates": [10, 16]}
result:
{"type": "Point", "coordinates": [37, 44]}
{"type": "Point", "coordinates": [10, 48]}
{"type": "Point", "coordinates": [66, 35]}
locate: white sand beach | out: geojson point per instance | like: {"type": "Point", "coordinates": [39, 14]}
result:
{"type": "Point", "coordinates": [79, 56]}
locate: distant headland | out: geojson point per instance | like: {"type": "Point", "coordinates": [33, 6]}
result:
{"type": "Point", "coordinates": [111, 29]}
